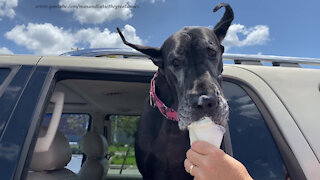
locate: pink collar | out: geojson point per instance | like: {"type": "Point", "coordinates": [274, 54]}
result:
{"type": "Point", "coordinates": [169, 113]}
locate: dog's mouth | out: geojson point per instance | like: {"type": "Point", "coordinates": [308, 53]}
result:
{"type": "Point", "coordinates": [187, 114]}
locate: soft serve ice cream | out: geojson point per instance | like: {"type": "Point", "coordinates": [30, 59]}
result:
{"type": "Point", "coordinates": [206, 130]}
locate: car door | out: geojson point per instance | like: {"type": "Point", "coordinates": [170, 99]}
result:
{"type": "Point", "coordinates": [253, 136]}
{"type": "Point", "coordinates": [252, 142]}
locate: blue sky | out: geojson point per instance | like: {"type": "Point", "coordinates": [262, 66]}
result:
{"type": "Point", "coordinates": [269, 27]}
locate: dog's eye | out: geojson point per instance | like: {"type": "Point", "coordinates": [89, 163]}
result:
{"type": "Point", "coordinates": [176, 63]}
{"type": "Point", "coordinates": [211, 52]}
{"type": "Point", "coordinates": [222, 48]}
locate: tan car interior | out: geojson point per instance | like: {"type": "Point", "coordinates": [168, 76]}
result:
{"type": "Point", "coordinates": [98, 98]}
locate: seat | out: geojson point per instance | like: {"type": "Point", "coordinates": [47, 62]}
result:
{"type": "Point", "coordinates": [96, 166]}
{"type": "Point", "coordinates": [49, 165]}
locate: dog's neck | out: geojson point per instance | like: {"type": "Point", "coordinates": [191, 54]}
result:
{"type": "Point", "coordinates": [166, 93]}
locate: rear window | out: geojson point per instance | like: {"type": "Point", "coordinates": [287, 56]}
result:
{"type": "Point", "coordinates": [121, 148]}
{"type": "Point", "coordinates": [73, 126]}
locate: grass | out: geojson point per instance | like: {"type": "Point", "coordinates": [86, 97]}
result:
{"type": "Point", "coordinates": [120, 153]}
{"type": "Point", "coordinates": [118, 160]}
{"type": "Point", "coordinates": [118, 148]}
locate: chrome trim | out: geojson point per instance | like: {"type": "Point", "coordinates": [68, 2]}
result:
{"type": "Point", "coordinates": [270, 58]}
{"type": "Point", "coordinates": [226, 56]}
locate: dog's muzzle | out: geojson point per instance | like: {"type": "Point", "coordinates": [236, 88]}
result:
{"type": "Point", "coordinates": [197, 107]}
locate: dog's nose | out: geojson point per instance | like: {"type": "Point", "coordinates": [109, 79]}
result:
{"type": "Point", "coordinates": [206, 103]}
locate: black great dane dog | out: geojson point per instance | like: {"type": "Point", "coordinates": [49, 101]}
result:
{"type": "Point", "coordinates": [185, 89]}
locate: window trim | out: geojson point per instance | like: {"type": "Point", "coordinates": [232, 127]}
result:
{"type": "Point", "coordinates": [54, 75]}
{"type": "Point", "coordinates": [290, 161]}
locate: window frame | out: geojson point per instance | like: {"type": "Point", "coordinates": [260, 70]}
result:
{"type": "Point", "coordinates": [290, 161]}
{"type": "Point", "coordinates": [54, 75]}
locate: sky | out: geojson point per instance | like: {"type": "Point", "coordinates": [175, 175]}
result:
{"type": "Point", "coordinates": [52, 27]}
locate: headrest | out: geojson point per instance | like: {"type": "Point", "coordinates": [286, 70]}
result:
{"type": "Point", "coordinates": [57, 157]}
{"type": "Point", "coordinates": [94, 145]}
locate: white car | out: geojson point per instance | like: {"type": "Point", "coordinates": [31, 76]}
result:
{"type": "Point", "coordinates": [274, 112]}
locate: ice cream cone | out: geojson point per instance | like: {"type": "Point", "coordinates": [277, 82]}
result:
{"type": "Point", "coordinates": [206, 130]}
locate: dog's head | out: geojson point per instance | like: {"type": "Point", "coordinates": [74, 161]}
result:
{"type": "Point", "coordinates": [191, 61]}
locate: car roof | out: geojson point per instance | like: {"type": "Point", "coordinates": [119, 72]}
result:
{"type": "Point", "coordinates": [127, 64]}
{"type": "Point", "coordinates": [19, 59]}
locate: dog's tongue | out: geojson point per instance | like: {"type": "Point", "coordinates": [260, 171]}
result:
{"type": "Point", "coordinates": [206, 130]}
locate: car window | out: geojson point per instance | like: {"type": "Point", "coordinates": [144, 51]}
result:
{"type": "Point", "coordinates": [4, 72]}
{"type": "Point", "coordinates": [252, 142]}
{"type": "Point", "coordinates": [74, 127]}
{"type": "Point", "coordinates": [121, 149]}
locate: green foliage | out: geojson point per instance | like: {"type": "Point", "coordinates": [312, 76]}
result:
{"type": "Point", "coordinates": [119, 153]}
{"type": "Point", "coordinates": [118, 150]}
{"type": "Point", "coordinates": [75, 149]}
{"type": "Point", "coordinates": [112, 149]}
{"type": "Point", "coordinates": [128, 124]}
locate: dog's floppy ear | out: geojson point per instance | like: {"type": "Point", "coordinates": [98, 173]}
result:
{"type": "Point", "coordinates": [223, 25]}
{"type": "Point", "coordinates": [153, 52]}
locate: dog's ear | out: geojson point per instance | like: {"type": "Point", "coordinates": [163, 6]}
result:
{"type": "Point", "coordinates": [223, 25]}
{"type": "Point", "coordinates": [153, 52]}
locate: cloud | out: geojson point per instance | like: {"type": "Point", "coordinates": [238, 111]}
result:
{"type": "Point", "coordinates": [4, 50]}
{"type": "Point", "coordinates": [42, 38]}
{"type": "Point", "coordinates": [107, 39]}
{"type": "Point", "coordinates": [98, 11]}
{"type": "Point", "coordinates": [46, 39]}
{"type": "Point", "coordinates": [257, 35]}
{"type": "Point", "coordinates": [6, 8]}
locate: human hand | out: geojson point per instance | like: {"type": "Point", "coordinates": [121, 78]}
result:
{"type": "Point", "coordinates": [209, 163]}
